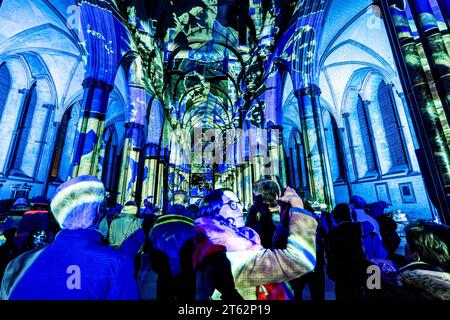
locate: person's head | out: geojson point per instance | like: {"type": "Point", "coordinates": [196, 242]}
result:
{"type": "Point", "coordinates": [376, 209]}
{"type": "Point", "coordinates": [193, 210]}
{"type": "Point", "coordinates": [20, 203]}
{"type": "Point", "coordinates": [268, 190]}
{"type": "Point", "coordinates": [79, 203]}
{"type": "Point", "coordinates": [428, 242]}
{"type": "Point", "coordinates": [341, 213]}
{"type": "Point", "coordinates": [147, 202]}
{"type": "Point", "coordinates": [180, 198]}
{"type": "Point", "coordinates": [130, 207]}
{"type": "Point", "coordinates": [358, 202]}
{"type": "Point", "coordinates": [39, 202]}
{"type": "Point", "coordinates": [184, 18]}
{"type": "Point", "coordinates": [225, 203]}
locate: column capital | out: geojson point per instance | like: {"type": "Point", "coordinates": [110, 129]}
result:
{"type": "Point", "coordinates": [346, 115]}
{"type": "Point", "coordinates": [92, 83]}
{"type": "Point", "coordinates": [133, 125]}
{"type": "Point", "coordinates": [401, 94]}
{"type": "Point", "coordinates": [367, 103]}
{"type": "Point", "coordinates": [48, 106]}
{"type": "Point", "coordinates": [137, 86]}
{"type": "Point", "coordinates": [23, 91]}
{"type": "Point", "coordinates": [90, 114]}
{"type": "Point", "coordinates": [275, 127]}
{"type": "Point", "coordinates": [312, 90]}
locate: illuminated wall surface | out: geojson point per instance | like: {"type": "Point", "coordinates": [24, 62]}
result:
{"type": "Point", "coordinates": [156, 96]}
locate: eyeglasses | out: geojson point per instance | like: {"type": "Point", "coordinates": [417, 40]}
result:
{"type": "Point", "coordinates": [234, 205]}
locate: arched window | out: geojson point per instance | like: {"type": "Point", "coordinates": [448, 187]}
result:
{"type": "Point", "coordinates": [111, 161]}
{"type": "Point", "coordinates": [64, 146]}
{"type": "Point", "coordinates": [5, 87]}
{"type": "Point", "coordinates": [12, 100]}
{"type": "Point", "coordinates": [298, 161]}
{"type": "Point", "coordinates": [22, 133]}
{"type": "Point", "coordinates": [366, 136]}
{"type": "Point", "coordinates": [31, 130]}
{"type": "Point", "coordinates": [391, 125]}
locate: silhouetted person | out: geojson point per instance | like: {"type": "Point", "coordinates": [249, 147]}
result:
{"type": "Point", "coordinates": [35, 229]}
{"type": "Point", "coordinates": [171, 249]}
{"type": "Point", "coordinates": [347, 264]}
{"type": "Point", "coordinates": [373, 246]}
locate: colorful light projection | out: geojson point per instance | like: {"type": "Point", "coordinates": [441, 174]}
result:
{"type": "Point", "coordinates": [426, 105]}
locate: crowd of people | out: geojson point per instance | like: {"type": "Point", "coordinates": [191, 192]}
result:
{"type": "Point", "coordinates": [77, 246]}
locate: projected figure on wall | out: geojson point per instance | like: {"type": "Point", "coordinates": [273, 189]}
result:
{"type": "Point", "coordinates": [256, 115]}
{"type": "Point", "coordinates": [185, 24]}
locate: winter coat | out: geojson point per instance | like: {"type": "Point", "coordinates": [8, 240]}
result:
{"type": "Point", "coordinates": [170, 235]}
{"type": "Point", "coordinates": [424, 281]}
{"type": "Point", "coordinates": [75, 266]}
{"type": "Point", "coordinates": [126, 234]}
{"type": "Point", "coordinates": [373, 245]}
{"type": "Point", "coordinates": [251, 266]}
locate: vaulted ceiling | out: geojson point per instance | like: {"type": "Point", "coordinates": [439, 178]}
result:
{"type": "Point", "coordinates": [215, 53]}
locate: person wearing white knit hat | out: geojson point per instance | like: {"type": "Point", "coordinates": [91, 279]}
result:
{"type": "Point", "coordinates": [78, 203]}
{"type": "Point", "coordinates": [75, 266]}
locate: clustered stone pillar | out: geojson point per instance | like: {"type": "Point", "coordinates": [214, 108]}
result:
{"type": "Point", "coordinates": [247, 181]}
{"type": "Point", "coordinates": [434, 47]}
{"type": "Point", "coordinates": [434, 148]}
{"type": "Point", "coordinates": [130, 162]}
{"type": "Point", "coordinates": [309, 102]}
{"type": "Point", "coordinates": [277, 153]}
{"type": "Point", "coordinates": [90, 128]}
{"type": "Point", "coordinates": [150, 173]}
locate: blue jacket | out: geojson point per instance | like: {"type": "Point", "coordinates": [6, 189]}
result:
{"type": "Point", "coordinates": [171, 235]}
{"type": "Point", "coordinates": [75, 266]}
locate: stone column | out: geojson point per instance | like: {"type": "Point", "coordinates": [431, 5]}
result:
{"type": "Point", "coordinates": [273, 148]}
{"type": "Point", "coordinates": [445, 10]}
{"type": "Point", "coordinates": [150, 173]}
{"type": "Point", "coordinates": [309, 100]}
{"type": "Point", "coordinates": [434, 47]}
{"type": "Point", "coordinates": [18, 129]}
{"type": "Point", "coordinates": [247, 182]}
{"type": "Point", "coordinates": [434, 153]}
{"type": "Point", "coordinates": [130, 162]}
{"type": "Point", "coordinates": [90, 128]}
{"type": "Point", "coordinates": [341, 132]}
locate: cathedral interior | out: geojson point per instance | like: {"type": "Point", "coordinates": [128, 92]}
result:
{"type": "Point", "coordinates": [331, 97]}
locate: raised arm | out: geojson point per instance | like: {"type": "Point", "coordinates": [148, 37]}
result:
{"type": "Point", "coordinates": [251, 268]}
